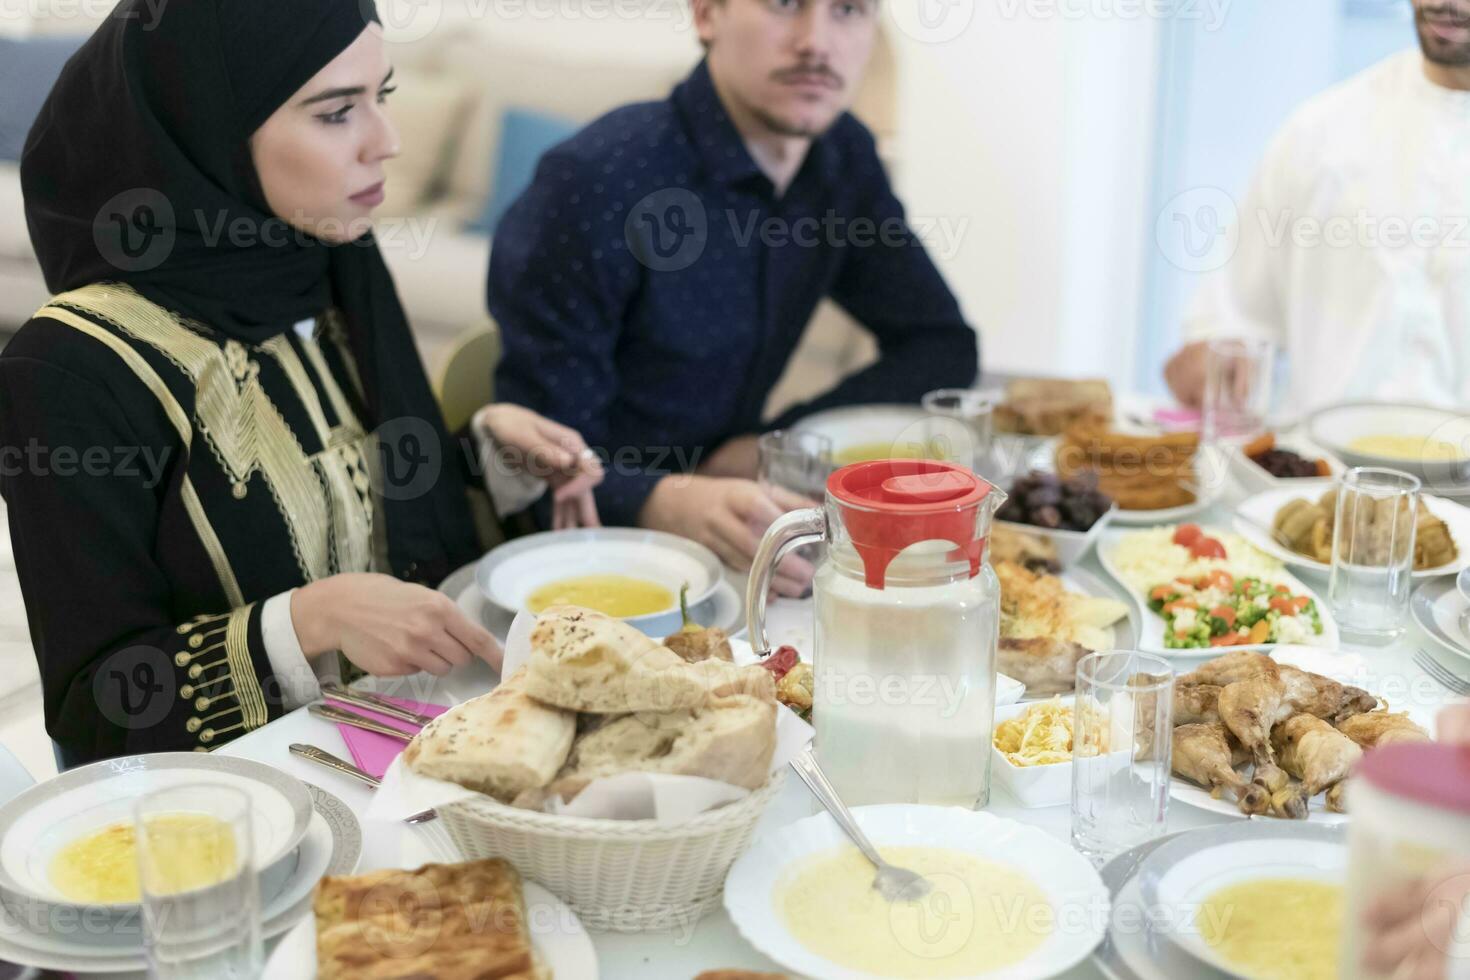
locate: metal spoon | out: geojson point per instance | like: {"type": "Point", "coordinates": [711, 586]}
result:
{"type": "Point", "coordinates": [895, 884]}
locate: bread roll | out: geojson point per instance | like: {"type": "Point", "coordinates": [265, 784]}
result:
{"type": "Point", "coordinates": [583, 660]}
{"type": "Point", "coordinates": [730, 739]}
{"type": "Point", "coordinates": [500, 743]}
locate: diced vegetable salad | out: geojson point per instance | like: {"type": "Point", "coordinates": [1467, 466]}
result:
{"type": "Point", "coordinates": [1217, 610]}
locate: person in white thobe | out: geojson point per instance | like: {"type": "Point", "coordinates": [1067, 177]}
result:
{"type": "Point", "coordinates": [1353, 254]}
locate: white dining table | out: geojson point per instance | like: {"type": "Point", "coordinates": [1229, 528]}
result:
{"type": "Point", "coordinates": [713, 942]}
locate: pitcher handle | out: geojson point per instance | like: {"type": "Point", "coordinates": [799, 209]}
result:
{"type": "Point", "coordinates": [791, 530]}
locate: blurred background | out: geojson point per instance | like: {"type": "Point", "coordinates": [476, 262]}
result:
{"type": "Point", "coordinates": [1059, 157]}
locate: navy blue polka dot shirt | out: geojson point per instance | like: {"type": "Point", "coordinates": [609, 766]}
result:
{"type": "Point", "coordinates": [650, 286]}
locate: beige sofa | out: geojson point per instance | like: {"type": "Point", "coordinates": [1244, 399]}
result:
{"type": "Point", "coordinates": [454, 84]}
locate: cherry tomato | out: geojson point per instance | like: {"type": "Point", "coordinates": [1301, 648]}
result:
{"type": "Point", "coordinates": [1187, 534]}
{"type": "Point", "coordinates": [1283, 605]}
{"type": "Point", "coordinates": [1207, 548]}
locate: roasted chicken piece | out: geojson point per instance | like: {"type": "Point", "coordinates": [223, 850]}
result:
{"type": "Point", "coordinates": [1287, 798]}
{"type": "Point", "coordinates": [1202, 754]}
{"type": "Point", "coordinates": [1196, 704]}
{"type": "Point", "coordinates": [1234, 666]}
{"type": "Point", "coordinates": [1251, 707]}
{"type": "Point", "coordinates": [1044, 665]}
{"type": "Point", "coordinates": [1323, 696]}
{"type": "Point", "coordinates": [1316, 753]}
{"type": "Point", "coordinates": [1381, 728]}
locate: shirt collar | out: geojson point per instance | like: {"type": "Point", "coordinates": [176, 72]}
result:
{"type": "Point", "coordinates": [719, 143]}
{"type": "Point", "coordinates": [712, 131]}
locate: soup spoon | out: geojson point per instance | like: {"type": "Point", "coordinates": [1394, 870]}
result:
{"type": "Point", "coordinates": [895, 884]}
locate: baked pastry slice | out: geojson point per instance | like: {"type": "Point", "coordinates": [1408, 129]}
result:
{"type": "Point", "coordinates": [443, 921]}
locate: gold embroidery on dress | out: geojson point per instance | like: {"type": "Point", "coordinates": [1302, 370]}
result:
{"type": "Point", "coordinates": [329, 523]}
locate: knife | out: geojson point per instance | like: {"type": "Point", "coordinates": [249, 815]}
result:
{"type": "Point", "coordinates": [342, 716]}
{"type": "Point", "coordinates": [325, 758]}
{"type": "Point", "coordinates": [373, 702]}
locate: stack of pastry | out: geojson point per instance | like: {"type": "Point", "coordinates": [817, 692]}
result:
{"type": "Point", "coordinates": [1047, 406]}
{"type": "Point", "coordinates": [1138, 472]}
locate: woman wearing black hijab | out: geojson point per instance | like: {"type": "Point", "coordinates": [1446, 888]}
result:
{"type": "Point", "coordinates": [220, 430]}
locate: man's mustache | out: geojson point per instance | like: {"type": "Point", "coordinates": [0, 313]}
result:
{"type": "Point", "coordinates": [1460, 15]}
{"type": "Point", "coordinates": [821, 73]}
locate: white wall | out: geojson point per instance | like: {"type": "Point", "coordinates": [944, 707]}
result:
{"type": "Point", "coordinates": [1036, 130]}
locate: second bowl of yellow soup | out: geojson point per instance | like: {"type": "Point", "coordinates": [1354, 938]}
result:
{"type": "Point", "coordinates": [1261, 899]}
{"type": "Point", "coordinates": [630, 573]}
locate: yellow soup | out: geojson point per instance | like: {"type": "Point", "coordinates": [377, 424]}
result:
{"type": "Point", "coordinates": [1407, 447]}
{"type": "Point", "coordinates": [1269, 928]}
{"type": "Point", "coordinates": [102, 868]}
{"type": "Point", "coordinates": [615, 595]}
{"type": "Point", "coordinates": [869, 451]}
{"type": "Point", "coordinates": [980, 917]}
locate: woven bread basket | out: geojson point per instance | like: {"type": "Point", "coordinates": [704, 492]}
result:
{"type": "Point", "coordinates": [617, 875]}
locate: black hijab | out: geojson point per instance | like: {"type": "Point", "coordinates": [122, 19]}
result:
{"type": "Point", "coordinates": [147, 130]}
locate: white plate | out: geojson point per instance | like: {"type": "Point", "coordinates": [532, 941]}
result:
{"type": "Point", "coordinates": [1346, 668]}
{"type": "Point", "coordinates": [332, 845]}
{"type": "Point", "coordinates": [40, 821]}
{"type": "Point", "coordinates": [1336, 426]}
{"type": "Point", "coordinates": [1032, 786]}
{"type": "Point", "coordinates": [557, 934]}
{"type": "Point", "coordinates": [1151, 635]}
{"type": "Point", "coordinates": [509, 574]}
{"type": "Point", "coordinates": [862, 425]}
{"type": "Point", "coordinates": [1263, 508]}
{"type": "Point", "coordinates": [1069, 882]}
{"type": "Point", "coordinates": [1443, 613]}
{"type": "Point", "coordinates": [1184, 873]}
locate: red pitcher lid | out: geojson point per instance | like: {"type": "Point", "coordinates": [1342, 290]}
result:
{"type": "Point", "coordinates": [890, 504]}
{"type": "Point", "coordinates": [1425, 772]}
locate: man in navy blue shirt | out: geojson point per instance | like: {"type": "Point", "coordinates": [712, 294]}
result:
{"type": "Point", "coordinates": [653, 281]}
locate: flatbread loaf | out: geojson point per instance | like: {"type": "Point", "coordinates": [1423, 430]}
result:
{"type": "Point", "coordinates": [501, 743]}
{"type": "Point", "coordinates": [447, 921]}
{"type": "Point", "coordinates": [729, 739]}
{"type": "Point", "coordinates": [582, 660]}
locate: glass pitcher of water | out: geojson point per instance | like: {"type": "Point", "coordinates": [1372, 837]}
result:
{"type": "Point", "coordinates": [907, 622]}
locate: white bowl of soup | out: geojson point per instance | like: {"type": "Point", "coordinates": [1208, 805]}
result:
{"type": "Point", "coordinates": [1256, 899]}
{"type": "Point", "coordinates": [1430, 443]}
{"type": "Point", "coordinates": [66, 845]}
{"type": "Point", "coordinates": [633, 574]}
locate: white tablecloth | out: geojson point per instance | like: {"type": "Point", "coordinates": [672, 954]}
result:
{"type": "Point", "coordinates": [713, 942]}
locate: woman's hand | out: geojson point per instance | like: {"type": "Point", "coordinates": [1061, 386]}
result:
{"type": "Point", "coordinates": [551, 452]}
{"type": "Point", "coordinates": [1411, 927]}
{"type": "Point", "coordinates": [387, 627]}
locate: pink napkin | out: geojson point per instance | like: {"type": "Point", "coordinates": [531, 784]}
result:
{"type": "Point", "coordinates": [372, 752]}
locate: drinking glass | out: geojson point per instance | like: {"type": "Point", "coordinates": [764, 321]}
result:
{"type": "Point", "coordinates": [798, 462]}
{"type": "Point", "coordinates": [1373, 552]}
{"type": "Point", "coordinates": [1238, 381]}
{"type": "Point", "coordinates": [200, 894]}
{"type": "Point", "coordinates": [961, 426]}
{"type": "Point", "coordinates": [1122, 736]}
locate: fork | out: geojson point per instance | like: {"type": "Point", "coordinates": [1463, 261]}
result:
{"type": "Point", "coordinates": [324, 758]}
{"type": "Point", "coordinates": [1442, 674]}
{"type": "Point", "coordinates": [893, 883]}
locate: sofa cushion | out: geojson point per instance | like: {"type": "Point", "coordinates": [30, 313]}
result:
{"type": "Point", "coordinates": [524, 136]}
{"type": "Point", "coordinates": [28, 69]}
{"type": "Point", "coordinates": [426, 110]}
{"type": "Point", "coordinates": [579, 86]}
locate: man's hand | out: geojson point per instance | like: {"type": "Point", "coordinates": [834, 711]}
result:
{"type": "Point", "coordinates": [387, 627]}
{"type": "Point", "coordinates": [739, 458]}
{"type": "Point", "coordinates": [1185, 374]}
{"type": "Point", "coordinates": [728, 517]}
{"type": "Point", "coordinates": [1454, 724]}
